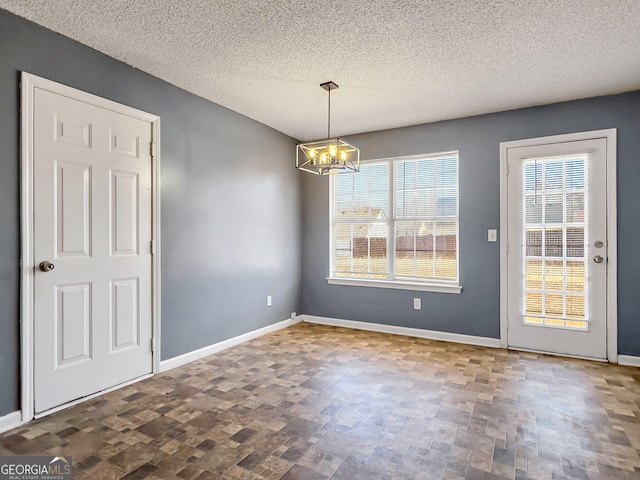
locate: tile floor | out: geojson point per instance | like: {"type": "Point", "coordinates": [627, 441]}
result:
{"type": "Point", "coordinates": [318, 402]}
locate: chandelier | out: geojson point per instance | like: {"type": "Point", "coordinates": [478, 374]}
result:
{"type": "Point", "coordinates": [326, 157]}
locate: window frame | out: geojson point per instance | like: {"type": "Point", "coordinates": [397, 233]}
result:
{"type": "Point", "coordinates": [393, 282]}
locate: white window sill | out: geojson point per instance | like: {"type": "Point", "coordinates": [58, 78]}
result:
{"type": "Point", "coordinates": [397, 285]}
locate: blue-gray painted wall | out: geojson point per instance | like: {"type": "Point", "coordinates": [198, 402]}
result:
{"type": "Point", "coordinates": [231, 217]}
{"type": "Point", "coordinates": [476, 311]}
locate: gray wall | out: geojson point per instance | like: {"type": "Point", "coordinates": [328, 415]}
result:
{"type": "Point", "coordinates": [476, 310]}
{"type": "Point", "coordinates": [231, 197]}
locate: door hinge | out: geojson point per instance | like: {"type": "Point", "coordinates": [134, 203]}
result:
{"type": "Point", "coordinates": [507, 172]}
{"type": "Point", "coordinates": [152, 247]}
{"type": "Point", "coordinates": [507, 248]}
{"type": "Point", "coordinates": [152, 149]}
{"type": "Point", "coordinates": [507, 324]}
{"type": "Point", "coordinates": [152, 348]}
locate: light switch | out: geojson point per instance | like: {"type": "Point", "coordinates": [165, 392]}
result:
{"type": "Point", "coordinates": [417, 304]}
{"type": "Point", "coordinates": [492, 235]}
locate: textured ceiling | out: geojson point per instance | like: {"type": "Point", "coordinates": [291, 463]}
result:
{"type": "Point", "coordinates": [398, 62]}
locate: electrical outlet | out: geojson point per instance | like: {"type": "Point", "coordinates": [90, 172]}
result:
{"type": "Point", "coordinates": [417, 304]}
{"type": "Point", "coordinates": [492, 235]}
{"type": "Point", "coordinates": [268, 300]}
{"type": "Point", "coordinates": [293, 315]}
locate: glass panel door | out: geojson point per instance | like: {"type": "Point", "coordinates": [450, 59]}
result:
{"type": "Point", "coordinates": [557, 248]}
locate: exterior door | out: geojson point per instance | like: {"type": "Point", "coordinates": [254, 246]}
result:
{"type": "Point", "coordinates": [557, 248]}
{"type": "Point", "coordinates": [92, 231]}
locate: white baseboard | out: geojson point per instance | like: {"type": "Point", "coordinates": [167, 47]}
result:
{"type": "Point", "coordinates": [410, 332]}
{"type": "Point", "coordinates": [629, 360]}
{"type": "Point", "coordinates": [10, 421]}
{"type": "Point", "coordinates": [217, 347]}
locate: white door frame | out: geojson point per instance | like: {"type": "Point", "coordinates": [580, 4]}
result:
{"type": "Point", "coordinates": [610, 135]}
{"type": "Point", "coordinates": [30, 83]}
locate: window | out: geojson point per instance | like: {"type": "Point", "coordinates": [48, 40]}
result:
{"type": "Point", "coordinates": [395, 224]}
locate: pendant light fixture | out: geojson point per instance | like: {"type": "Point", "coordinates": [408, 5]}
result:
{"type": "Point", "coordinates": [326, 157]}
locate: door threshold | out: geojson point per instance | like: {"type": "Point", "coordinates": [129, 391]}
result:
{"type": "Point", "coordinates": [555, 354]}
{"type": "Point", "coordinates": [72, 403]}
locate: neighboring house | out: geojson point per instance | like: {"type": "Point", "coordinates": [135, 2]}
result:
{"type": "Point", "coordinates": [356, 239]}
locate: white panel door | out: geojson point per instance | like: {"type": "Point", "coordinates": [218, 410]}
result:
{"type": "Point", "coordinates": [557, 258]}
{"type": "Point", "coordinates": [92, 223]}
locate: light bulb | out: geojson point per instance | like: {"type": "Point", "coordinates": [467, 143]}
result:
{"type": "Point", "coordinates": [343, 156]}
{"type": "Point", "coordinates": [323, 158]}
{"type": "Point", "coordinates": [332, 150]}
{"type": "Point", "coordinates": [312, 153]}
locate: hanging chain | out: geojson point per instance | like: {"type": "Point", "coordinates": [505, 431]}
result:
{"type": "Point", "coordinates": [329, 116]}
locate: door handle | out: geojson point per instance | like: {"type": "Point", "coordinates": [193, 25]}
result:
{"type": "Point", "coordinates": [46, 266]}
{"type": "Point", "coordinates": [598, 259]}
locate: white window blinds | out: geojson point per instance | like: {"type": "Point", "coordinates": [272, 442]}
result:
{"type": "Point", "coordinates": [554, 233]}
{"type": "Point", "coordinates": [397, 220]}
{"type": "Point", "coordinates": [360, 227]}
{"type": "Point", "coordinates": [427, 218]}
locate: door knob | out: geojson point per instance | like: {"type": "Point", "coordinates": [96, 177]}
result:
{"type": "Point", "coordinates": [46, 266]}
{"type": "Point", "coordinates": [598, 259]}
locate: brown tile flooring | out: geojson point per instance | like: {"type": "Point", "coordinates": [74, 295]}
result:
{"type": "Point", "coordinates": [317, 402]}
